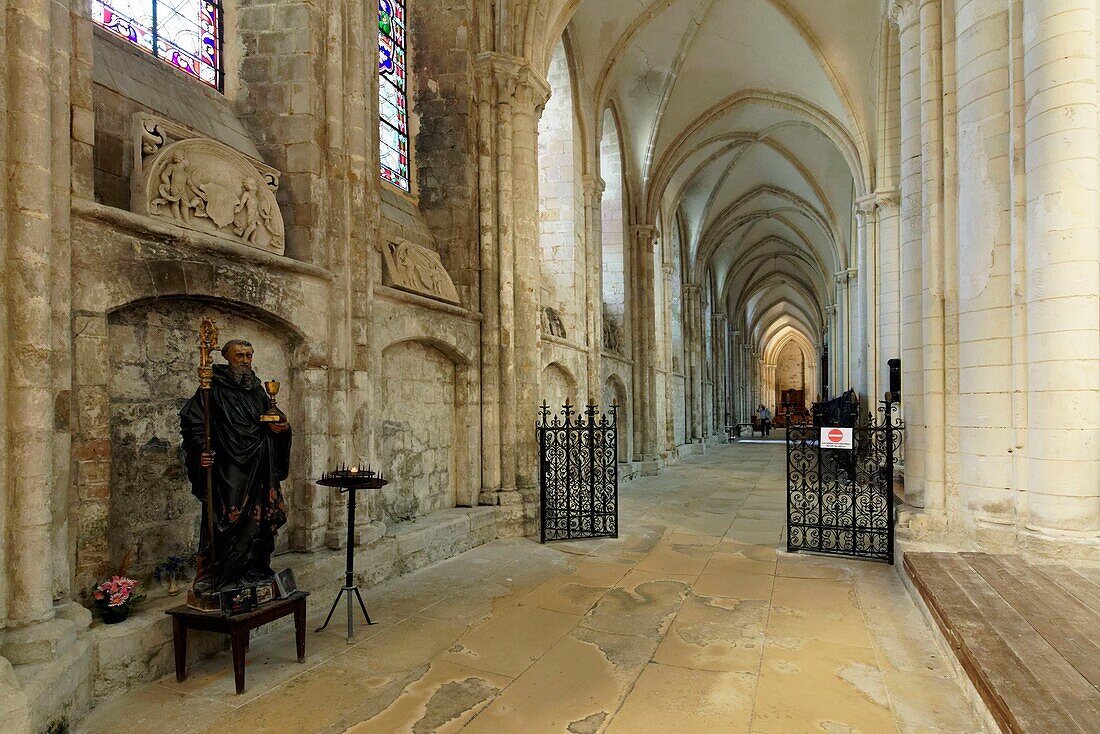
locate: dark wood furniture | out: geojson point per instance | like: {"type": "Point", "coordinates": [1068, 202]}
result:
{"type": "Point", "coordinates": [1024, 633]}
{"type": "Point", "coordinates": [237, 627]}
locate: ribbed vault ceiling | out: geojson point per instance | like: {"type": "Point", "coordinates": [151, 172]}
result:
{"type": "Point", "coordinates": [750, 120]}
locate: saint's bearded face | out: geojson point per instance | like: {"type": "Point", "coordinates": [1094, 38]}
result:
{"type": "Point", "coordinates": [240, 364]}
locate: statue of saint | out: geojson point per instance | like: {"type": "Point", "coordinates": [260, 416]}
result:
{"type": "Point", "coordinates": [248, 459]}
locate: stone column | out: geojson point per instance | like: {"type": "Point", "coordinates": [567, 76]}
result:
{"type": "Point", "coordinates": [505, 74]}
{"type": "Point", "coordinates": [694, 338]}
{"type": "Point", "coordinates": [35, 372]}
{"type": "Point", "coordinates": [984, 280]}
{"type": "Point", "coordinates": [593, 198]}
{"type": "Point", "coordinates": [932, 252]}
{"type": "Point", "coordinates": [508, 111]}
{"type": "Point", "coordinates": [885, 290]}
{"type": "Point", "coordinates": [532, 92]}
{"type": "Point", "coordinates": [866, 298]}
{"type": "Point", "coordinates": [721, 367]}
{"type": "Point", "coordinates": [842, 337]}
{"type": "Point", "coordinates": [669, 443]}
{"type": "Point", "coordinates": [489, 283]}
{"type": "Point", "coordinates": [644, 239]}
{"type": "Point", "coordinates": [1063, 282]}
{"type": "Point", "coordinates": [911, 339]}
{"type": "Point", "coordinates": [832, 337]}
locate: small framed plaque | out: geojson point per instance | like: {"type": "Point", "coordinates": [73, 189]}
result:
{"type": "Point", "coordinates": [286, 583]}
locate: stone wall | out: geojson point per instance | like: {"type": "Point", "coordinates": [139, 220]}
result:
{"type": "Point", "coordinates": [129, 81]}
{"type": "Point", "coordinates": [561, 201]}
{"type": "Point", "coordinates": [790, 372]}
{"type": "Point", "coordinates": [417, 438]}
{"type": "Point", "coordinates": [613, 225]}
{"type": "Point", "coordinates": [679, 410]}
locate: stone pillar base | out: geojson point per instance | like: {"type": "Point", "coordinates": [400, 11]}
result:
{"type": "Point", "coordinates": [40, 642]}
{"type": "Point", "coordinates": [52, 666]}
{"type": "Point", "coordinates": [15, 710]}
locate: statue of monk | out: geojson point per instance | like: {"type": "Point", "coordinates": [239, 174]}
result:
{"type": "Point", "coordinates": [249, 459]}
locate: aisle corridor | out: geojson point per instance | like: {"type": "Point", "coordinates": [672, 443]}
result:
{"type": "Point", "coordinates": [691, 622]}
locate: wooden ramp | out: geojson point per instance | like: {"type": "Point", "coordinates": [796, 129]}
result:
{"type": "Point", "coordinates": [1027, 635]}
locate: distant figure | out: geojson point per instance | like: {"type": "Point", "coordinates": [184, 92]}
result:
{"type": "Point", "coordinates": [764, 416]}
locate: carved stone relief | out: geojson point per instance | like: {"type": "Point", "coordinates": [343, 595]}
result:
{"type": "Point", "coordinates": [552, 322]}
{"type": "Point", "coordinates": [612, 334]}
{"type": "Point", "coordinates": [417, 269]}
{"type": "Point", "coordinates": [204, 185]}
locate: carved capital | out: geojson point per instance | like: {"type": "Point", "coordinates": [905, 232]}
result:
{"type": "Point", "coordinates": [517, 84]}
{"type": "Point", "coordinates": [593, 188]}
{"type": "Point", "coordinates": [903, 13]}
{"type": "Point", "coordinates": [842, 277]}
{"type": "Point", "coordinates": [646, 234]}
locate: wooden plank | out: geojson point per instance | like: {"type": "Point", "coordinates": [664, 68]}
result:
{"type": "Point", "coordinates": [1085, 589]}
{"type": "Point", "coordinates": [1059, 681]}
{"type": "Point", "coordinates": [1063, 621]}
{"type": "Point", "coordinates": [1012, 690]}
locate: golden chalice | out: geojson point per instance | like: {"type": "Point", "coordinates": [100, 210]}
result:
{"type": "Point", "coordinates": [272, 415]}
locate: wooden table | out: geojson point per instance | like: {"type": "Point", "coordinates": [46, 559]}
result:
{"type": "Point", "coordinates": [237, 627]}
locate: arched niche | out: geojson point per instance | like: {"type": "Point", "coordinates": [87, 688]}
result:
{"type": "Point", "coordinates": [558, 386]}
{"type": "Point", "coordinates": [420, 441]}
{"type": "Point", "coordinates": [614, 393]}
{"type": "Point", "coordinates": [151, 512]}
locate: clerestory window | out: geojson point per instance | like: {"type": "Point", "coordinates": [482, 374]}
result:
{"type": "Point", "coordinates": [393, 104]}
{"type": "Point", "coordinates": [186, 34]}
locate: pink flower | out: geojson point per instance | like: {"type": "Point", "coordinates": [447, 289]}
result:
{"type": "Point", "coordinates": [98, 595]}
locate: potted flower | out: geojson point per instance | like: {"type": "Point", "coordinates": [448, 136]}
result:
{"type": "Point", "coordinates": [114, 598]}
{"type": "Point", "coordinates": [171, 571]}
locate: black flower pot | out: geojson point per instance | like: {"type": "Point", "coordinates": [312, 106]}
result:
{"type": "Point", "coordinates": [114, 615]}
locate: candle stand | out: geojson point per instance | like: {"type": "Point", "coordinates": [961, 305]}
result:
{"type": "Point", "coordinates": [350, 480]}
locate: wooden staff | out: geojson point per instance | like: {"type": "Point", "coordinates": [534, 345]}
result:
{"type": "Point", "coordinates": [208, 342]}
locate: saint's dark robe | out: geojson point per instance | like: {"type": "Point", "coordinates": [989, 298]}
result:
{"type": "Point", "coordinates": [250, 461]}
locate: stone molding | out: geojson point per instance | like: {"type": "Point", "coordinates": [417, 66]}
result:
{"type": "Point", "coordinates": [200, 243]}
{"type": "Point", "coordinates": [203, 185]}
{"type": "Point", "coordinates": [417, 269]}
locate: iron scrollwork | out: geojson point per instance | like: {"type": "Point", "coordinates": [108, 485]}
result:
{"type": "Point", "coordinates": [578, 473]}
{"type": "Point", "coordinates": [840, 502]}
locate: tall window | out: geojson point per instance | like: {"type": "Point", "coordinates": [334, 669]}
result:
{"type": "Point", "coordinates": [393, 104]}
{"type": "Point", "coordinates": [184, 33]}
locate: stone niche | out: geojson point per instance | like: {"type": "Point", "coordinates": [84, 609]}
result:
{"type": "Point", "coordinates": [614, 393]}
{"type": "Point", "coordinates": [203, 185]}
{"type": "Point", "coordinates": [558, 386]}
{"type": "Point", "coordinates": [154, 359]}
{"type": "Point", "coordinates": [419, 432]}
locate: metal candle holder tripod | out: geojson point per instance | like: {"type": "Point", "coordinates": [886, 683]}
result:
{"type": "Point", "coordinates": [350, 480]}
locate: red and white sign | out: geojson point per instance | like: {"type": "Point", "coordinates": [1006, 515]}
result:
{"type": "Point", "coordinates": [836, 438]}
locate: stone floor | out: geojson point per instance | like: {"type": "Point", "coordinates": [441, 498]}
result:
{"type": "Point", "coordinates": [690, 622]}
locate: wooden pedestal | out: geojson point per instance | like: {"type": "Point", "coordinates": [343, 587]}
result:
{"type": "Point", "coordinates": [237, 627]}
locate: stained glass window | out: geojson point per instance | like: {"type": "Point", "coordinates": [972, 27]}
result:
{"type": "Point", "coordinates": [183, 33]}
{"type": "Point", "coordinates": [393, 105]}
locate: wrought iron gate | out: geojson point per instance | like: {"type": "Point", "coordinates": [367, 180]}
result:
{"type": "Point", "coordinates": [578, 473]}
{"type": "Point", "coordinates": [841, 501]}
